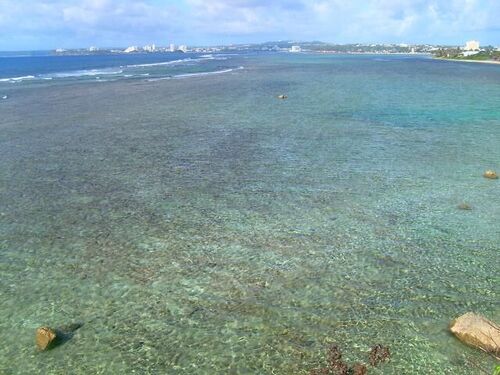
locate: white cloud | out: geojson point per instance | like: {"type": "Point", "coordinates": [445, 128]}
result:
{"type": "Point", "coordinates": [337, 20]}
{"type": "Point", "coordinates": [113, 22]}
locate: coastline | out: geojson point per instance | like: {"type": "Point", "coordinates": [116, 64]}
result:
{"type": "Point", "coordinates": [471, 61]}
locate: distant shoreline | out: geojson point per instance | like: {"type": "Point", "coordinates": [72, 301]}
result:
{"type": "Point", "coordinates": [471, 61]}
{"type": "Point", "coordinates": [366, 53]}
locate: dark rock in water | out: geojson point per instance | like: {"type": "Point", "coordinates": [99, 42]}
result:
{"type": "Point", "coordinates": [490, 174]}
{"type": "Point", "coordinates": [340, 368]}
{"type": "Point", "coordinates": [359, 369]}
{"type": "Point", "coordinates": [45, 338]}
{"type": "Point", "coordinates": [334, 358]}
{"type": "Point", "coordinates": [475, 330]}
{"type": "Point", "coordinates": [334, 354]}
{"type": "Point", "coordinates": [464, 206]}
{"type": "Point", "coordinates": [379, 354]}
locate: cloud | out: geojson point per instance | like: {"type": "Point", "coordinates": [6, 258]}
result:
{"type": "Point", "coordinates": [52, 23]}
{"type": "Point", "coordinates": [73, 22]}
{"type": "Point", "coordinates": [243, 17]}
{"type": "Point", "coordinates": [349, 21]}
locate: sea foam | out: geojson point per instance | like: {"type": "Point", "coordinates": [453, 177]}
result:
{"type": "Point", "coordinates": [198, 74]}
{"type": "Point", "coordinates": [173, 62]}
{"type": "Point", "coordinates": [187, 75]}
{"type": "Point", "coordinates": [16, 79]}
{"type": "Point", "coordinates": [82, 73]}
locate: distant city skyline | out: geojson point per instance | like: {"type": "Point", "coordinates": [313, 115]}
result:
{"type": "Point", "coordinates": [51, 24]}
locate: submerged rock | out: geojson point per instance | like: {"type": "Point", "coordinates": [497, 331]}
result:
{"type": "Point", "coordinates": [464, 206]}
{"type": "Point", "coordinates": [490, 174]}
{"type": "Point", "coordinates": [335, 362]}
{"type": "Point", "coordinates": [45, 337]}
{"type": "Point", "coordinates": [379, 354]}
{"type": "Point", "coordinates": [475, 330]}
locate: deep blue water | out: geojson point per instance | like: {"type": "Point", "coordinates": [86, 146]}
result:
{"type": "Point", "coordinates": [32, 67]}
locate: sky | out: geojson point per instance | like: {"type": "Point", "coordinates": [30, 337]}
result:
{"type": "Point", "coordinates": [49, 24]}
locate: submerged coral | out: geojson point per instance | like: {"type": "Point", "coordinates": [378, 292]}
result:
{"type": "Point", "coordinates": [336, 366]}
{"type": "Point", "coordinates": [379, 354]}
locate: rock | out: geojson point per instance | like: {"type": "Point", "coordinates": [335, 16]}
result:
{"type": "Point", "coordinates": [45, 337]}
{"type": "Point", "coordinates": [490, 174]}
{"type": "Point", "coordinates": [282, 97]}
{"type": "Point", "coordinates": [475, 330]}
{"type": "Point", "coordinates": [464, 206]}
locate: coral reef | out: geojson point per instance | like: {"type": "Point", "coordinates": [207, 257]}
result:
{"type": "Point", "coordinates": [335, 363]}
{"type": "Point", "coordinates": [379, 354]}
{"type": "Point", "coordinates": [336, 366]}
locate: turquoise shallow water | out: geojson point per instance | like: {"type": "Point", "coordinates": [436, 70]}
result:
{"type": "Point", "coordinates": [202, 226]}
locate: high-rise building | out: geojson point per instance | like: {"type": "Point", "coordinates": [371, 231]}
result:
{"type": "Point", "coordinates": [172, 47]}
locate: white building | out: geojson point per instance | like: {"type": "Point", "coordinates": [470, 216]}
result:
{"type": "Point", "coordinates": [471, 45]}
{"type": "Point", "coordinates": [131, 49]}
{"type": "Point", "coordinates": [469, 53]}
{"type": "Point", "coordinates": [93, 49]}
{"type": "Point", "coordinates": [183, 48]}
{"type": "Point", "coordinates": [295, 49]}
{"type": "Point", "coordinates": [172, 47]}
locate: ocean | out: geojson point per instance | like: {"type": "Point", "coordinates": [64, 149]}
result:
{"type": "Point", "coordinates": [39, 67]}
{"type": "Point", "coordinates": [193, 223]}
